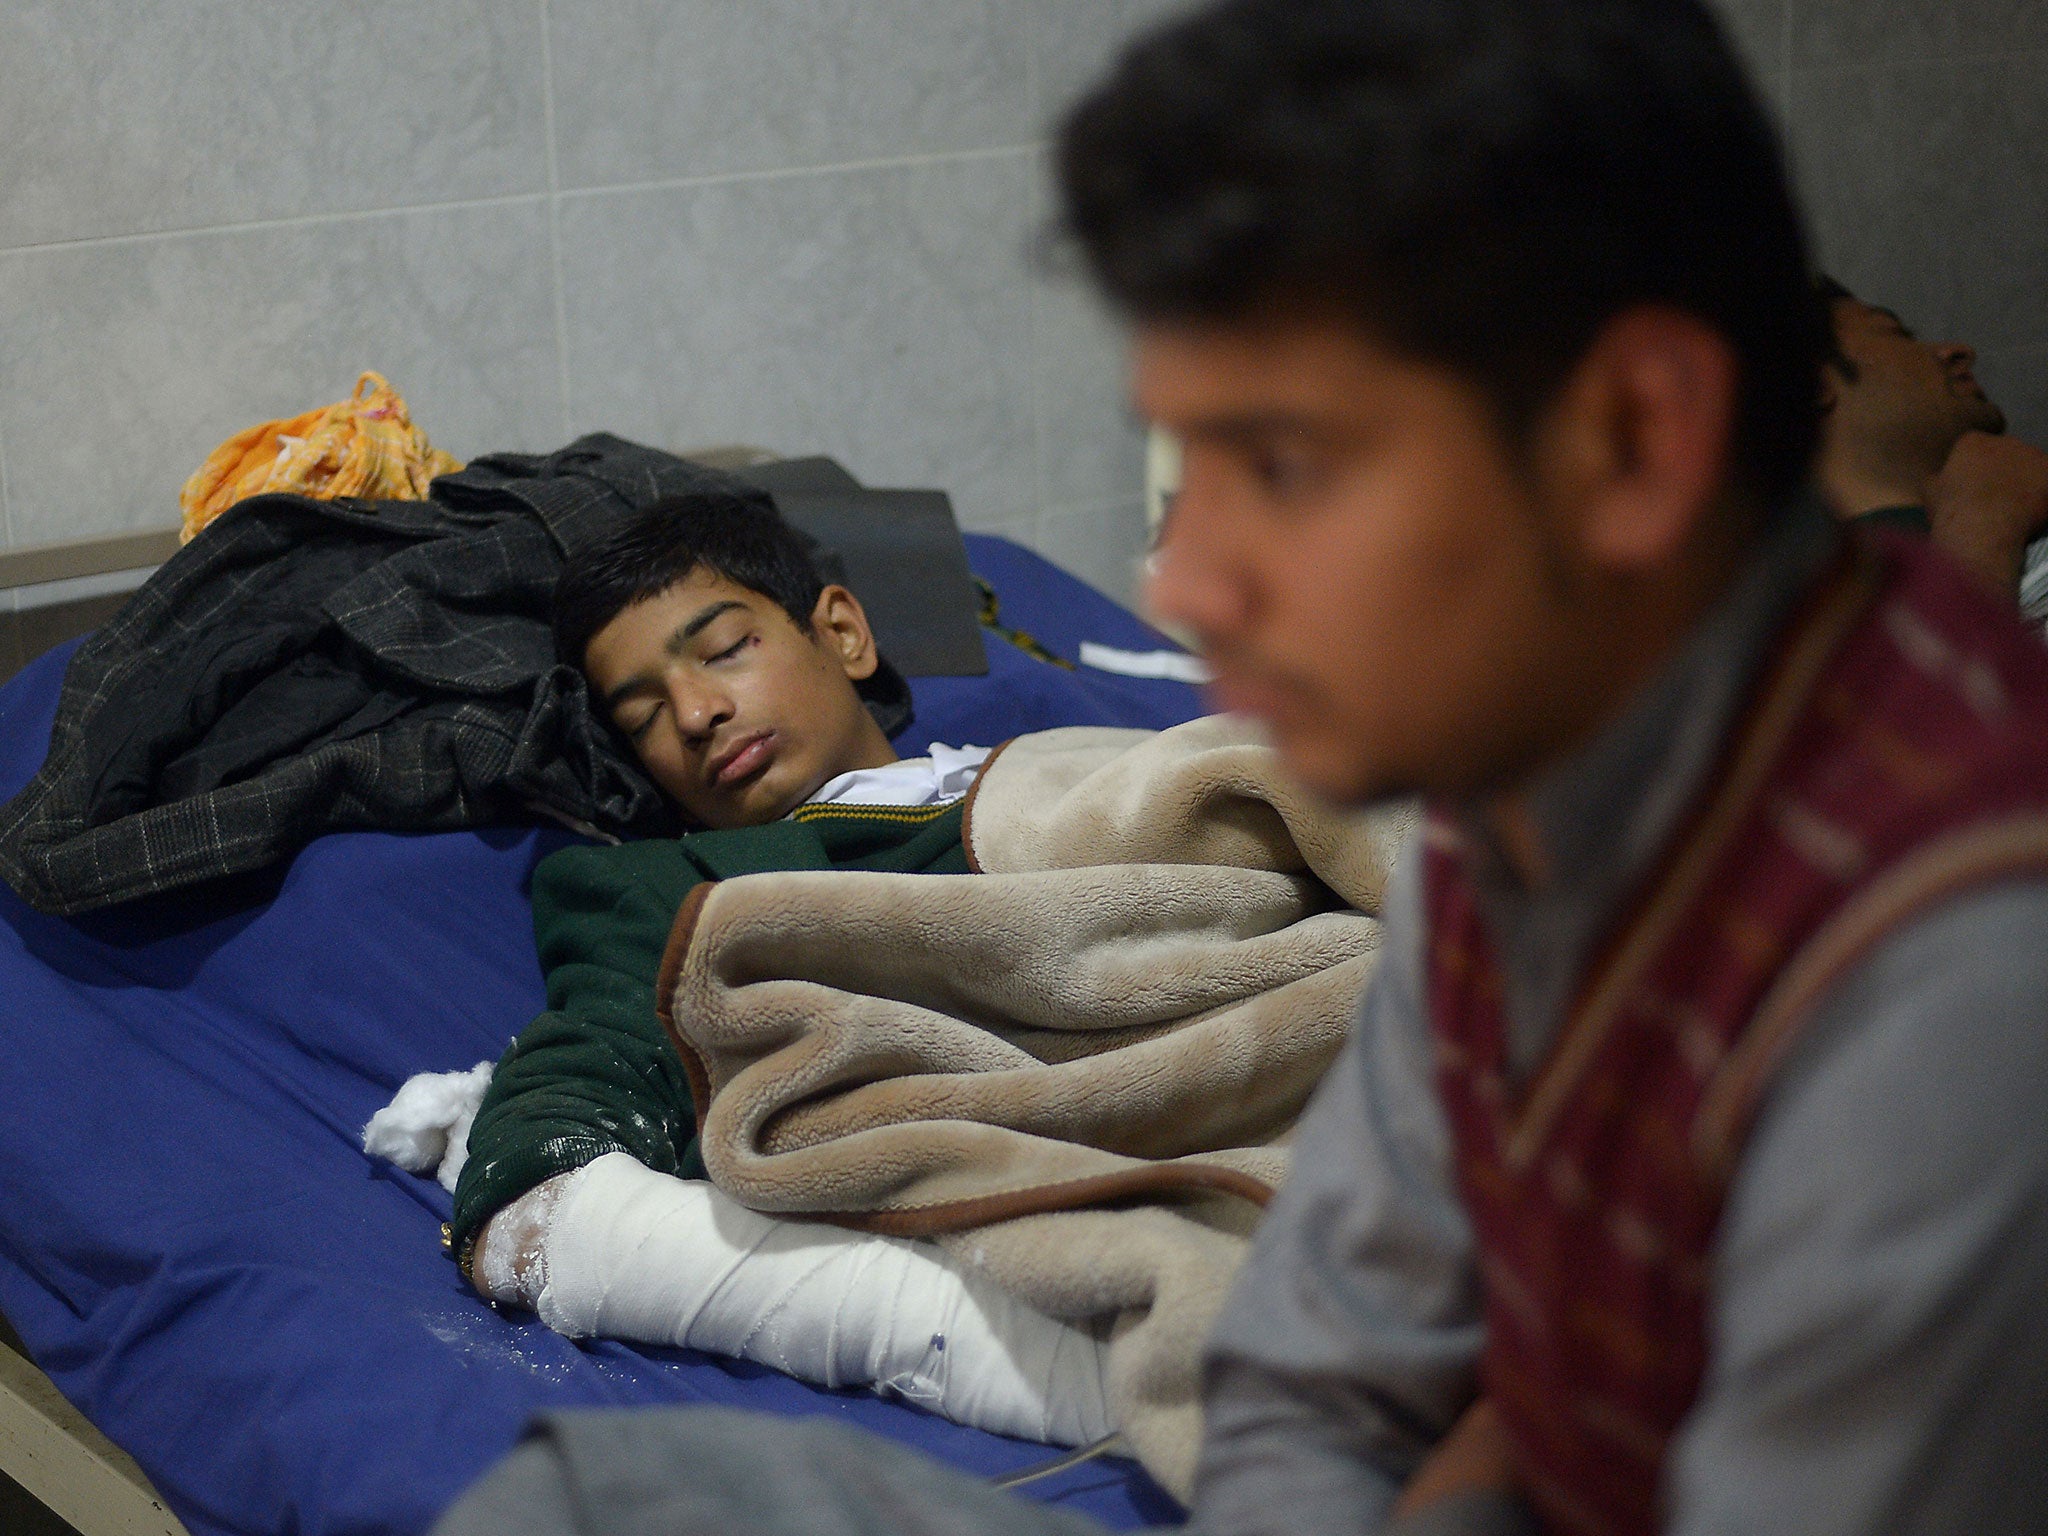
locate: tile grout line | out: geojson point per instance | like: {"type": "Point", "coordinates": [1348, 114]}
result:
{"type": "Point", "coordinates": [1092, 508]}
{"type": "Point", "coordinates": [7, 522]}
{"type": "Point", "coordinates": [797, 172]}
{"type": "Point", "coordinates": [1040, 478]}
{"type": "Point", "coordinates": [1785, 32]}
{"type": "Point", "coordinates": [515, 199]}
{"type": "Point", "coordinates": [1034, 20]}
{"type": "Point", "coordinates": [1040, 481]}
{"type": "Point", "coordinates": [1882, 65]}
{"type": "Point", "coordinates": [297, 221]}
{"type": "Point", "coordinates": [6, 499]}
{"type": "Point", "coordinates": [547, 101]}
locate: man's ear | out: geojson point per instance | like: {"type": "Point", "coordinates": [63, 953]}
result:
{"type": "Point", "coordinates": [1636, 449]}
{"type": "Point", "coordinates": [839, 623]}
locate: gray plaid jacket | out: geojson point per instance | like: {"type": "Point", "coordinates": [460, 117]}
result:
{"type": "Point", "coordinates": [307, 665]}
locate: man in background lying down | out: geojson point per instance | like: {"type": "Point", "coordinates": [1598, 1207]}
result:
{"type": "Point", "coordinates": [1685, 1170]}
{"type": "Point", "coordinates": [1909, 437]}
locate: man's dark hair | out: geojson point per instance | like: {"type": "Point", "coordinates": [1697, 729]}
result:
{"type": "Point", "coordinates": [1830, 292]}
{"type": "Point", "coordinates": [1480, 184]}
{"type": "Point", "coordinates": [739, 536]}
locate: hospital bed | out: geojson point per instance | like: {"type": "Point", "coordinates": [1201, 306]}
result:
{"type": "Point", "coordinates": [196, 1255]}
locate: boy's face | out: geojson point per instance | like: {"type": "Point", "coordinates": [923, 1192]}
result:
{"type": "Point", "coordinates": [736, 712]}
{"type": "Point", "coordinates": [1369, 567]}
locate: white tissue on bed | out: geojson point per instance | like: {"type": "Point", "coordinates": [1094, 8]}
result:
{"type": "Point", "coordinates": [1174, 666]}
{"type": "Point", "coordinates": [635, 1254]}
{"type": "Point", "coordinates": [425, 1127]}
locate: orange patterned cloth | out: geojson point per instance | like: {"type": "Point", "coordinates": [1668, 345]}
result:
{"type": "Point", "coordinates": [365, 445]}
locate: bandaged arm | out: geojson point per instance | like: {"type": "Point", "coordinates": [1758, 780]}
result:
{"type": "Point", "coordinates": [595, 1073]}
{"type": "Point", "coordinates": [618, 1250]}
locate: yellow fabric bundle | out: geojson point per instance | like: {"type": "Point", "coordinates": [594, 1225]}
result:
{"type": "Point", "coordinates": [365, 445]}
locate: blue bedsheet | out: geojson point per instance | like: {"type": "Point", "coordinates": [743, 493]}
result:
{"type": "Point", "coordinates": [192, 1242]}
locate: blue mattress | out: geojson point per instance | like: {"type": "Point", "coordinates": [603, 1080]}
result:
{"type": "Point", "coordinates": [192, 1243]}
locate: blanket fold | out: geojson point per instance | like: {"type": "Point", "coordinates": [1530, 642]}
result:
{"type": "Point", "coordinates": [1079, 1067]}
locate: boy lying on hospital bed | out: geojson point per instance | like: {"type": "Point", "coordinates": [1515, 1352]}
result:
{"type": "Point", "coordinates": [734, 670]}
{"type": "Point", "coordinates": [710, 641]}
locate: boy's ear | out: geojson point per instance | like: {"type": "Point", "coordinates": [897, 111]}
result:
{"type": "Point", "coordinates": [839, 623]}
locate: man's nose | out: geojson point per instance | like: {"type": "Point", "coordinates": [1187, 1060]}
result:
{"type": "Point", "coordinates": [1956, 354]}
{"type": "Point", "coordinates": [1196, 576]}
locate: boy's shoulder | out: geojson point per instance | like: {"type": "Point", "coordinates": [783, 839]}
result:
{"type": "Point", "coordinates": [591, 870]}
{"type": "Point", "coordinates": [815, 838]}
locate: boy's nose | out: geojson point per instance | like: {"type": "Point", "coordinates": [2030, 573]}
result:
{"type": "Point", "coordinates": [699, 711]}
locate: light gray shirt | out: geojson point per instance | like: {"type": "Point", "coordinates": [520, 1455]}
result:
{"type": "Point", "coordinates": [1878, 1323]}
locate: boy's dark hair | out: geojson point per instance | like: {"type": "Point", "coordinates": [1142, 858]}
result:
{"type": "Point", "coordinates": [1830, 293]}
{"type": "Point", "coordinates": [1480, 184]}
{"type": "Point", "coordinates": [737, 534]}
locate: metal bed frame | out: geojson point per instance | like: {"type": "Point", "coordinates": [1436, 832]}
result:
{"type": "Point", "coordinates": [47, 1446]}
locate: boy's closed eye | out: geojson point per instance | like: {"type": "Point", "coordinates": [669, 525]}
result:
{"type": "Point", "coordinates": [636, 721]}
{"type": "Point", "coordinates": [730, 651]}
{"type": "Point", "coordinates": [636, 726]}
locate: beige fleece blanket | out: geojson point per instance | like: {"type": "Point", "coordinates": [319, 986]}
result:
{"type": "Point", "coordinates": [1078, 1066]}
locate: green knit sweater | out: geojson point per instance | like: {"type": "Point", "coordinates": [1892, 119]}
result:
{"type": "Point", "coordinates": [596, 1073]}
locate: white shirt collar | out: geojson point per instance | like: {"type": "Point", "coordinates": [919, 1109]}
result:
{"type": "Point", "coordinates": [945, 775]}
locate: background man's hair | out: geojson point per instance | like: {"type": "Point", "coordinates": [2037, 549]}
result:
{"type": "Point", "coordinates": [1480, 184]}
{"type": "Point", "coordinates": [739, 536]}
{"type": "Point", "coordinates": [1831, 292]}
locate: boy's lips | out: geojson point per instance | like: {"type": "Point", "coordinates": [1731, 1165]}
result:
{"type": "Point", "coordinates": [745, 758]}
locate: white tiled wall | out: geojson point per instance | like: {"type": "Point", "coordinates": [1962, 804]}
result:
{"type": "Point", "coordinates": [1919, 134]}
{"type": "Point", "coordinates": [804, 223]}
